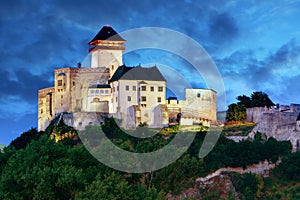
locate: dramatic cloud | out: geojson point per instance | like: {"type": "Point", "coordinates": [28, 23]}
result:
{"type": "Point", "coordinates": [223, 28]}
{"type": "Point", "coordinates": [276, 74]}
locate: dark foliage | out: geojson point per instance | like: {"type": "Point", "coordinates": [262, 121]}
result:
{"type": "Point", "coordinates": [22, 141]}
{"type": "Point", "coordinates": [258, 99]}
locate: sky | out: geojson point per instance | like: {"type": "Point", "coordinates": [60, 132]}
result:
{"type": "Point", "coordinates": [255, 45]}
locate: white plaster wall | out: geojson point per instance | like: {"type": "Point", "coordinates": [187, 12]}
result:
{"type": "Point", "coordinates": [203, 106]}
{"type": "Point", "coordinates": [106, 58]}
{"type": "Point", "coordinates": [148, 113]}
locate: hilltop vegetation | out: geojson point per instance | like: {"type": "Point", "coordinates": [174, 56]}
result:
{"type": "Point", "coordinates": [242, 129]}
{"type": "Point", "coordinates": [34, 166]}
{"type": "Point", "coordinates": [237, 111]}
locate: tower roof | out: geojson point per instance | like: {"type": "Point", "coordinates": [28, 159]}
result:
{"type": "Point", "coordinates": [107, 33]}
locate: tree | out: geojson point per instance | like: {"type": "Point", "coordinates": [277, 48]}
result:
{"type": "Point", "coordinates": [289, 168]}
{"type": "Point", "coordinates": [112, 186]}
{"type": "Point", "coordinates": [24, 139]}
{"type": "Point", "coordinates": [236, 112]}
{"type": "Point", "coordinates": [257, 99]}
{"type": "Point", "coordinates": [244, 100]}
{"type": "Point", "coordinates": [261, 99]}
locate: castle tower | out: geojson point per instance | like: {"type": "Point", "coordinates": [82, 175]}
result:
{"type": "Point", "coordinates": [106, 49]}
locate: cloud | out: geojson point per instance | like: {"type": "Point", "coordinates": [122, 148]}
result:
{"type": "Point", "coordinates": [276, 74]}
{"type": "Point", "coordinates": [223, 28]}
{"type": "Point", "coordinates": [22, 86]}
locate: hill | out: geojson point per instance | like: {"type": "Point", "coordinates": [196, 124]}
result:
{"type": "Point", "coordinates": [55, 165]}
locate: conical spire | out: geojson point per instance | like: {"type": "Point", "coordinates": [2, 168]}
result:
{"type": "Point", "coordinates": [106, 33]}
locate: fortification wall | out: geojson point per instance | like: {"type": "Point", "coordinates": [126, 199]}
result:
{"type": "Point", "coordinates": [277, 123]}
{"type": "Point", "coordinates": [79, 120]}
{"type": "Point", "coordinates": [255, 114]}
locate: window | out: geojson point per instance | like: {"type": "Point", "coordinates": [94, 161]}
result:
{"type": "Point", "coordinates": [198, 95]}
{"type": "Point", "coordinates": [106, 91]}
{"type": "Point", "coordinates": [59, 83]}
{"type": "Point", "coordinates": [152, 89]}
{"type": "Point", "coordinates": [144, 98]}
{"type": "Point", "coordinates": [134, 88]}
{"type": "Point", "coordinates": [97, 91]}
{"type": "Point", "coordinates": [127, 87]}
{"type": "Point", "coordinates": [144, 105]}
{"type": "Point", "coordinates": [73, 83]}
{"type": "Point", "coordinates": [128, 98]}
{"type": "Point", "coordinates": [116, 99]}
{"type": "Point", "coordinates": [143, 88]}
{"type": "Point", "coordinates": [160, 89]}
{"type": "Point", "coordinates": [101, 91]}
{"type": "Point", "coordinates": [158, 99]}
{"type": "Point", "coordinates": [62, 96]}
{"type": "Point", "coordinates": [92, 91]}
{"type": "Point", "coordinates": [117, 88]}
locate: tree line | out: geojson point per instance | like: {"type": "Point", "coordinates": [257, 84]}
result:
{"type": "Point", "coordinates": [237, 111]}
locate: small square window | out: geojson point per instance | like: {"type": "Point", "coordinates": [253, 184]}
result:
{"type": "Point", "coordinates": [127, 87]}
{"type": "Point", "coordinates": [160, 89]}
{"type": "Point", "coordinates": [152, 89]}
{"type": "Point", "coordinates": [106, 91]}
{"type": "Point", "coordinates": [144, 98]}
{"type": "Point", "coordinates": [134, 88]}
{"type": "Point", "coordinates": [101, 91]}
{"type": "Point", "coordinates": [128, 98]}
{"type": "Point", "coordinates": [158, 99]}
{"type": "Point", "coordinates": [59, 83]}
{"type": "Point", "coordinates": [143, 88]}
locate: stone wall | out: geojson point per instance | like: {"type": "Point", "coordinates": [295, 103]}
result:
{"type": "Point", "coordinates": [262, 168]}
{"type": "Point", "coordinates": [279, 123]}
{"type": "Point", "coordinates": [79, 120]}
{"type": "Point", "coordinates": [254, 114]}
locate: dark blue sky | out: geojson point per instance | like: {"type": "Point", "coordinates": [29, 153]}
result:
{"type": "Point", "coordinates": [255, 45]}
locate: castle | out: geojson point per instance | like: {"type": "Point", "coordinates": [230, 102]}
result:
{"type": "Point", "coordinates": [106, 88]}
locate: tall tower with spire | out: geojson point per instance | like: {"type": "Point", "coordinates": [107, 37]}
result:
{"type": "Point", "coordinates": [106, 49]}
